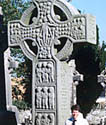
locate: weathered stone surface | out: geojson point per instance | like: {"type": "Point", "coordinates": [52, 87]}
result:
{"type": "Point", "coordinates": [76, 77]}
{"type": "Point", "coordinates": [102, 78]}
{"type": "Point", "coordinates": [9, 63]}
{"type": "Point", "coordinates": [46, 37]}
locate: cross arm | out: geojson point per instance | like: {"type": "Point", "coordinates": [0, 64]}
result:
{"type": "Point", "coordinates": [101, 78]}
{"type": "Point", "coordinates": [19, 32]}
{"type": "Point", "coordinates": [80, 28]}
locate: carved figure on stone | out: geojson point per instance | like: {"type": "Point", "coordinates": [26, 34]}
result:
{"type": "Point", "coordinates": [46, 34]}
{"type": "Point", "coordinates": [38, 98]}
{"type": "Point", "coordinates": [50, 72]}
{"type": "Point", "coordinates": [45, 98]}
{"type": "Point", "coordinates": [47, 119]}
{"type": "Point", "coordinates": [49, 52]}
{"type": "Point", "coordinates": [51, 116]}
{"type": "Point", "coordinates": [45, 73]}
{"type": "Point", "coordinates": [39, 72]}
{"type": "Point", "coordinates": [43, 119]}
{"type": "Point", "coordinates": [37, 119]}
{"type": "Point", "coordinates": [51, 97]}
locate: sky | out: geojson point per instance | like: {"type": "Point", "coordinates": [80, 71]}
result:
{"type": "Point", "coordinates": [96, 8]}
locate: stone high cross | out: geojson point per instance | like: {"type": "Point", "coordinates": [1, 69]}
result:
{"type": "Point", "coordinates": [39, 31]}
{"type": "Point", "coordinates": [102, 78]}
{"type": "Point", "coordinates": [102, 81]}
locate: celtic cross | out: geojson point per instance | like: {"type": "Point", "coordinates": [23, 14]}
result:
{"type": "Point", "coordinates": [42, 28]}
{"type": "Point", "coordinates": [102, 78]}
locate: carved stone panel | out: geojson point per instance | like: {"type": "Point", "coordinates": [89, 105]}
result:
{"type": "Point", "coordinates": [45, 119]}
{"type": "Point", "coordinates": [45, 98]}
{"type": "Point", "coordinates": [45, 72]}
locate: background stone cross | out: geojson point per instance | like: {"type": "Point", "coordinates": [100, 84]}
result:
{"type": "Point", "coordinates": [102, 78]}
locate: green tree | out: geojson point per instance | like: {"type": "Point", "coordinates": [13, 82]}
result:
{"type": "Point", "coordinates": [87, 58]}
{"type": "Point", "coordinates": [102, 53]}
{"type": "Point", "coordinates": [100, 49]}
{"type": "Point", "coordinates": [12, 10]}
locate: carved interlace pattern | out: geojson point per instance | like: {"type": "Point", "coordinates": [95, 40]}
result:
{"type": "Point", "coordinates": [46, 33]}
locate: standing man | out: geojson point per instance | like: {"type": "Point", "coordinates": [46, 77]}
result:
{"type": "Point", "coordinates": [77, 117]}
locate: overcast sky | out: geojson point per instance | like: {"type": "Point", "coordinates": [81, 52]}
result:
{"type": "Point", "coordinates": [96, 8]}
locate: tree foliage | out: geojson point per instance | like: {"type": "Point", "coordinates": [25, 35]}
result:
{"type": "Point", "coordinates": [90, 61]}
{"type": "Point", "coordinates": [102, 53]}
{"type": "Point", "coordinates": [12, 10]}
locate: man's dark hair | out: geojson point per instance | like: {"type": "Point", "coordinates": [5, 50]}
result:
{"type": "Point", "coordinates": [75, 107]}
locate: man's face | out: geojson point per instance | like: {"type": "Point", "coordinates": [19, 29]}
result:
{"type": "Point", "coordinates": [75, 113]}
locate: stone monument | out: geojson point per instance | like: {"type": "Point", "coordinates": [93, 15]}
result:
{"type": "Point", "coordinates": [102, 81]}
{"type": "Point", "coordinates": [9, 63]}
{"type": "Point", "coordinates": [46, 33]}
{"type": "Point", "coordinates": [7, 117]}
{"type": "Point", "coordinates": [77, 77]}
{"type": "Point", "coordinates": [102, 78]}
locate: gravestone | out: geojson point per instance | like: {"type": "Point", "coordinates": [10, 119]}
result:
{"type": "Point", "coordinates": [9, 63]}
{"type": "Point", "coordinates": [6, 117]}
{"type": "Point", "coordinates": [77, 77]}
{"type": "Point", "coordinates": [46, 33]}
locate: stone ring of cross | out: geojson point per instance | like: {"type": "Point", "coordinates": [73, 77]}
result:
{"type": "Point", "coordinates": [50, 27]}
